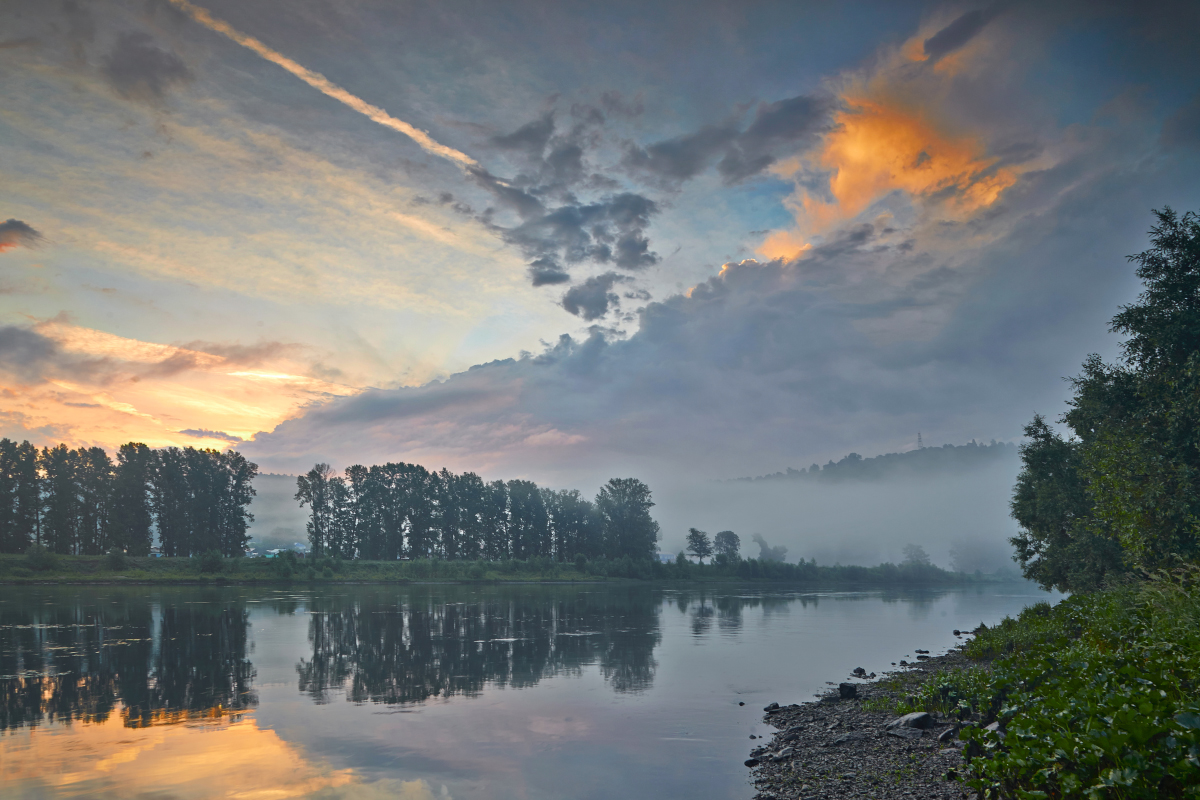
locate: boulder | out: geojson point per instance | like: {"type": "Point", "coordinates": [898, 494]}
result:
{"type": "Point", "coordinates": [847, 691]}
{"type": "Point", "coordinates": [947, 736]}
{"type": "Point", "coordinates": [905, 733]}
{"type": "Point", "coordinates": [858, 671]}
{"type": "Point", "coordinates": [917, 719]}
{"type": "Point", "coordinates": [772, 707]}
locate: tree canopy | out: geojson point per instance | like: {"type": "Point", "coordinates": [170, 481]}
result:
{"type": "Point", "coordinates": [1124, 489]}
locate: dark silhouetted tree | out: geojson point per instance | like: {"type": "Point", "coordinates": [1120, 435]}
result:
{"type": "Point", "coordinates": [623, 505]}
{"type": "Point", "coordinates": [698, 544]}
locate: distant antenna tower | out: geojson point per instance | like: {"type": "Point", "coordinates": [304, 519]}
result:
{"type": "Point", "coordinates": [919, 445]}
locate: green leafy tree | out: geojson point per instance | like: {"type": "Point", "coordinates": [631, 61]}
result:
{"type": "Point", "coordinates": [698, 544]}
{"type": "Point", "coordinates": [624, 507]}
{"type": "Point", "coordinates": [1125, 490]}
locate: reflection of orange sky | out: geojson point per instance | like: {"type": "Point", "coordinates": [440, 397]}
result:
{"type": "Point", "coordinates": [144, 391]}
{"type": "Point", "coordinates": [228, 760]}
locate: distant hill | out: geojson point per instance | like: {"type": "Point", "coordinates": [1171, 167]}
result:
{"type": "Point", "coordinates": [942, 460]}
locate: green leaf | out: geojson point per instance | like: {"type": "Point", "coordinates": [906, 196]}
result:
{"type": "Point", "coordinates": [1188, 719]}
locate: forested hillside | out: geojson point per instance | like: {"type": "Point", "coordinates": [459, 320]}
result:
{"type": "Point", "coordinates": [942, 460]}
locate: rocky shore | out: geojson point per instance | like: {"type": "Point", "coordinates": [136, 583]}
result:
{"type": "Point", "coordinates": [834, 747]}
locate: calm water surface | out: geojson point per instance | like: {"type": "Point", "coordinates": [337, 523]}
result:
{"type": "Point", "coordinates": [430, 691]}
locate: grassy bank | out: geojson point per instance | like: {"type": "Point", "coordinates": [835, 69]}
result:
{"type": "Point", "coordinates": [42, 567]}
{"type": "Point", "coordinates": [1097, 697]}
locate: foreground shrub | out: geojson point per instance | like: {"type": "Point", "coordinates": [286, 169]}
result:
{"type": "Point", "coordinates": [115, 560]}
{"type": "Point", "coordinates": [38, 558]}
{"type": "Point", "coordinates": [1095, 698]}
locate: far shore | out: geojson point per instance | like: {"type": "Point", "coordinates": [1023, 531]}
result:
{"type": "Point", "coordinates": [17, 570]}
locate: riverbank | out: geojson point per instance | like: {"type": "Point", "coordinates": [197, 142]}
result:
{"type": "Point", "coordinates": [838, 747]}
{"type": "Point", "coordinates": [1093, 697]}
{"type": "Point", "coordinates": [204, 570]}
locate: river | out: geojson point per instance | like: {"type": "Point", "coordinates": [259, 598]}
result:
{"type": "Point", "coordinates": [438, 691]}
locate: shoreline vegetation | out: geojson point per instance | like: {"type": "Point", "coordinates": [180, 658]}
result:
{"type": "Point", "coordinates": [1092, 698]}
{"type": "Point", "coordinates": [1097, 697]}
{"type": "Point", "coordinates": [40, 566]}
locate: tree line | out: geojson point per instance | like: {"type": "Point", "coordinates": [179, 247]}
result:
{"type": "Point", "coordinates": [82, 502]}
{"type": "Point", "coordinates": [397, 510]}
{"type": "Point", "coordinates": [1122, 490]}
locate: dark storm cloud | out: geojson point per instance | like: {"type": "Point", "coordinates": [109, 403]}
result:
{"type": "Point", "coordinates": [203, 433]}
{"type": "Point", "coordinates": [530, 139]}
{"type": "Point", "coordinates": [593, 298]}
{"type": "Point", "coordinates": [959, 32]}
{"type": "Point", "coordinates": [784, 126]}
{"type": "Point", "coordinates": [140, 69]}
{"type": "Point", "coordinates": [14, 233]}
{"type": "Point", "coordinates": [609, 231]}
{"type": "Point", "coordinates": [683, 157]}
{"type": "Point", "coordinates": [791, 124]}
{"type": "Point", "coordinates": [545, 271]}
{"type": "Point", "coordinates": [31, 357]}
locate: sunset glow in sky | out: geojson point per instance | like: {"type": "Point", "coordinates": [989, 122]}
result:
{"type": "Point", "coordinates": [556, 241]}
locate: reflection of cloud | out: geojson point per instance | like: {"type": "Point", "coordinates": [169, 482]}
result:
{"type": "Point", "coordinates": [194, 760]}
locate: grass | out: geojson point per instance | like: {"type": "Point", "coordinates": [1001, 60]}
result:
{"type": "Point", "coordinates": [41, 567]}
{"type": "Point", "coordinates": [1095, 698]}
{"type": "Point", "coordinates": [16, 569]}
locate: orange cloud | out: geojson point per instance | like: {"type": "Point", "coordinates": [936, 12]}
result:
{"type": "Point", "coordinates": [878, 147]}
{"type": "Point", "coordinates": [156, 393]}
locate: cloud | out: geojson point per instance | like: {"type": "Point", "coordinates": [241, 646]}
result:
{"type": "Point", "coordinates": [593, 298]}
{"type": "Point", "coordinates": [544, 271]}
{"type": "Point", "coordinates": [959, 32]}
{"type": "Point", "coordinates": [139, 69]}
{"type": "Point", "coordinates": [201, 433]}
{"type": "Point", "coordinates": [611, 230]}
{"type": "Point", "coordinates": [682, 157]}
{"type": "Point", "coordinates": [15, 233]}
{"type": "Point", "coordinates": [782, 127]}
{"type": "Point", "coordinates": [325, 86]}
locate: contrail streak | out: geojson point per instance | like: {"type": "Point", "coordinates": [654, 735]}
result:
{"type": "Point", "coordinates": [325, 86]}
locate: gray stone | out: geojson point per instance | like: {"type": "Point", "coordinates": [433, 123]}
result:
{"type": "Point", "coordinates": [847, 737]}
{"type": "Point", "coordinates": [995, 728]}
{"type": "Point", "coordinates": [917, 719]}
{"type": "Point", "coordinates": [847, 691]}
{"type": "Point", "coordinates": [905, 733]}
{"type": "Point", "coordinates": [947, 735]}
{"type": "Point", "coordinates": [772, 707]}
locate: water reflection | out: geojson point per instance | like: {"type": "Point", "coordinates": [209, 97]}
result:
{"type": "Point", "coordinates": [382, 649]}
{"type": "Point", "coordinates": [63, 660]}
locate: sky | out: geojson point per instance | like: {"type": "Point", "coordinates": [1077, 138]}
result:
{"type": "Point", "coordinates": [678, 241]}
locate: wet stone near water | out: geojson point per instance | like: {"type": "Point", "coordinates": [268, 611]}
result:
{"type": "Point", "coordinates": [833, 748]}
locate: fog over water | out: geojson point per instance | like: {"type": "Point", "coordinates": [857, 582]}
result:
{"type": "Point", "coordinates": [953, 502]}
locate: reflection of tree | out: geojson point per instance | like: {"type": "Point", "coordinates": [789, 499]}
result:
{"type": "Point", "coordinates": [381, 650]}
{"type": "Point", "coordinates": [72, 660]}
